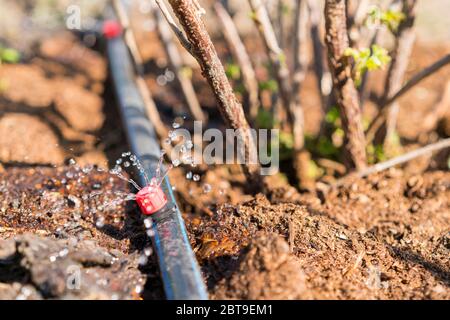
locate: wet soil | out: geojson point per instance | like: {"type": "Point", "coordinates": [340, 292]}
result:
{"type": "Point", "coordinates": [383, 237]}
{"type": "Point", "coordinates": [64, 231]}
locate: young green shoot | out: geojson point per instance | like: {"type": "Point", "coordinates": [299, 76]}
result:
{"type": "Point", "coordinates": [390, 18]}
{"type": "Point", "coordinates": [366, 59]}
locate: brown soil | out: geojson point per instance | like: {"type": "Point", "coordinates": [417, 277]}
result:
{"type": "Point", "coordinates": [383, 237]}
{"type": "Point", "coordinates": [18, 141]}
{"type": "Point", "coordinates": [386, 237]}
{"type": "Point", "coordinates": [54, 220]}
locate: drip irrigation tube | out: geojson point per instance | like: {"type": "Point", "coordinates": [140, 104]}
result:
{"type": "Point", "coordinates": [179, 269]}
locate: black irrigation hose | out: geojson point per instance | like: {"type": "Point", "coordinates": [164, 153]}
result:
{"type": "Point", "coordinates": [179, 269]}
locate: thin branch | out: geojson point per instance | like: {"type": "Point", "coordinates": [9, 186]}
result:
{"type": "Point", "coordinates": [361, 11]}
{"type": "Point", "coordinates": [346, 94]}
{"type": "Point", "coordinates": [128, 35]}
{"type": "Point", "coordinates": [300, 49]}
{"type": "Point", "coordinates": [378, 121]}
{"type": "Point", "coordinates": [179, 34]}
{"type": "Point", "coordinates": [419, 77]}
{"type": "Point", "coordinates": [439, 111]}
{"type": "Point", "coordinates": [275, 53]}
{"type": "Point", "coordinates": [356, 11]}
{"type": "Point", "coordinates": [301, 161]}
{"type": "Point", "coordinates": [278, 62]}
{"type": "Point", "coordinates": [242, 58]}
{"type": "Point", "coordinates": [405, 38]}
{"type": "Point", "coordinates": [443, 144]}
{"type": "Point", "coordinates": [322, 74]}
{"type": "Point", "coordinates": [280, 22]}
{"type": "Point", "coordinates": [176, 64]}
{"type": "Point", "coordinates": [130, 40]}
{"type": "Point", "coordinates": [189, 15]}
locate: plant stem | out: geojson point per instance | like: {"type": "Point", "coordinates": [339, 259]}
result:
{"type": "Point", "coordinates": [318, 51]}
{"type": "Point", "coordinates": [176, 64]}
{"type": "Point", "coordinates": [130, 40]}
{"type": "Point", "coordinates": [242, 58]}
{"type": "Point", "coordinates": [300, 49]}
{"type": "Point", "coordinates": [278, 62]}
{"type": "Point", "coordinates": [202, 48]}
{"type": "Point", "coordinates": [346, 94]}
{"type": "Point", "coordinates": [400, 59]}
{"type": "Point", "coordinates": [443, 144]}
{"type": "Point", "coordinates": [416, 79]}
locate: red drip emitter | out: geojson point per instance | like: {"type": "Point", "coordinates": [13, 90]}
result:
{"type": "Point", "coordinates": [151, 198]}
{"type": "Point", "coordinates": [111, 29]}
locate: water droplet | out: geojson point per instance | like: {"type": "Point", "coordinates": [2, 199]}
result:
{"type": "Point", "coordinates": [100, 222]}
{"type": "Point", "coordinates": [161, 80]}
{"type": "Point", "coordinates": [189, 175]}
{"type": "Point", "coordinates": [138, 289]}
{"type": "Point", "coordinates": [148, 251]}
{"type": "Point", "coordinates": [206, 188]}
{"type": "Point", "coordinates": [143, 260]}
{"type": "Point", "coordinates": [170, 76]}
{"type": "Point", "coordinates": [126, 164]}
{"type": "Point", "coordinates": [172, 135]}
{"type": "Point", "coordinates": [176, 162]}
{"type": "Point", "coordinates": [119, 161]}
{"type": "Point", "coordinates": [72, 162]}
{"type": "Point", "coordinates": [175, 125]}
{"type": "Point", "coordinates": [196, 177]}
{"type": "Point", "coordinates": [148, 223]}
{"type": "Point", "coordinates": [63, 252]}
{"type": "Point", "coordinates": [87, 169]}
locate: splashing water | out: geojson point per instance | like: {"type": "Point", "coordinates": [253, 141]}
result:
{"type": "Point", "coordinates": [113, 198]}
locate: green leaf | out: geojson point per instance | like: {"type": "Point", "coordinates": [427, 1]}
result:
{"type": "Point", "coordinates": [366, 59]}
{"type": "Point", "coordinates": [326, 148]}
{"type": "Point", "coordinates": [265, 119]}
{"type": "Point", "coordinates": [10, 55]}
{"type": "Point", "coordinates": [392, 19]}
{"type": "Point", "coordinates": [332, 115]}
{"type": "Point", "coordinates": [269, 85]}
{"type": "Point", "coordinates": [314, 171]}
{"type": "Point", "coordinates": [389, 18]}
{"type": "Point", "coordinates": [233, 71]}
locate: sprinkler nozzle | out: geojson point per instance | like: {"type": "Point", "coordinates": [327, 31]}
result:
{"type": "Point", "coordinates": [111, 29]}
{"type": "Point", "coordinates": [151, 198]}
